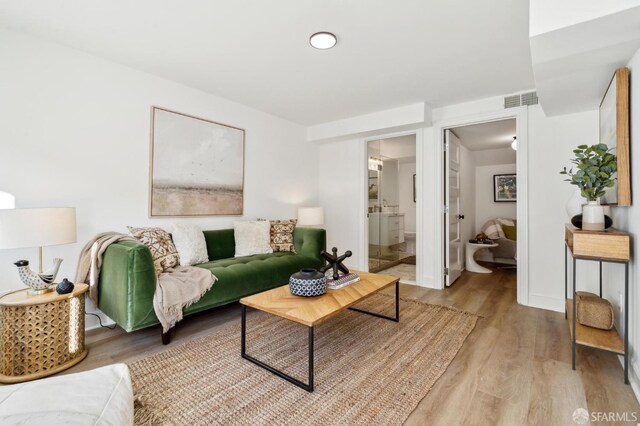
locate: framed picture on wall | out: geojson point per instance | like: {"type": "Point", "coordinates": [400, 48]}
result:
{"type": "Point", "coordinates": [197, 166]}
{"type": "Point", "coordinates": [505, 188]}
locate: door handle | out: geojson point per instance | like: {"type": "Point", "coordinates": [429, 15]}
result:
{"type": "Point", "coordinates": [460, 216]}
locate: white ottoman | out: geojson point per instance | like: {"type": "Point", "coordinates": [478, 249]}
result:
{"type": "Point", "coordinates": [98, 397]}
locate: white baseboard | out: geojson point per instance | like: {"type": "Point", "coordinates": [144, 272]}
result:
{"type": "Point", "coordinates": [546, 302]}
{"type": "Point", "coordinates": [633, 376]}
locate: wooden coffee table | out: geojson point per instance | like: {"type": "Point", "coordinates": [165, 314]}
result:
{"type": "Point", "coordinates": [311, 311]}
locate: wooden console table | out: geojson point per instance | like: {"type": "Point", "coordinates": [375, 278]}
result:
{"type": "Point", "coordinates": [612, 246]}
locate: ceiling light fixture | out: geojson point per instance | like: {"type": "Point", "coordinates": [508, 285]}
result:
{"type": "Point", "coordinates": [514, 144]}
{"type": "Point", "coordinates": [323, 40]}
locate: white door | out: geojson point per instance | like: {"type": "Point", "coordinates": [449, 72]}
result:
{"type": "Point", "coordinates": [453, 258]}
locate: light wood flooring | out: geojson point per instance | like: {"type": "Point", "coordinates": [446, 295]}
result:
{"type": "Point", "coordinates": [514, 368]}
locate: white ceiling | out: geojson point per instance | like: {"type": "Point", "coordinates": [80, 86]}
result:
{"type": "Point", "coordinates": [574, 64]}
{"type": "Point", "coordinates": [484, 136]}
{"type": "Point", "coordinates": [388, 54]}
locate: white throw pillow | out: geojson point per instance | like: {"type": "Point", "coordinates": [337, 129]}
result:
{"type": "Point", "coordinates": [190, 243]}
{"type": "Point", "coordinates": [252, 237]}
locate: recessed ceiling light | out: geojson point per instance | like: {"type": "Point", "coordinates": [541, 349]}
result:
{"type": "Point", "coordinates": [323, 40]}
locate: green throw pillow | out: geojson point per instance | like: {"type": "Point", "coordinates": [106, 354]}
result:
{"type": "Point", "coordinates": [510, 232]}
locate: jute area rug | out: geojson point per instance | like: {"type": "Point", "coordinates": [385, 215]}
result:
{"type": "Point", "coordinates": [367, 370]}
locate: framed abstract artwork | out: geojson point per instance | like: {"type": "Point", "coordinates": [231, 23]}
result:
{"type": "Point", "coordinates": [196, 167]}
{"type": "Point", "coordinates": [505, 188]}
{"type": "Point", "coordinates": [614, 132]}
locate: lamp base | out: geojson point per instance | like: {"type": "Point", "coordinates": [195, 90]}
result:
{"type": "Point", "coordinates": [32, 292]}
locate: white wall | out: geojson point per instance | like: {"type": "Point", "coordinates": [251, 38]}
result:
{"type": "Point", "coordinates": [490, 157]}
{"type": "Point", "coordinates": [339, 194]}
{"type": "Point", "coordinates": [626, 218]}
{"type": "Point", "coordinates": [74, 131]}
{"type": "Point", "coordinates": [551, 141]}
{"type": "Point", "coordinates": [486, 208]}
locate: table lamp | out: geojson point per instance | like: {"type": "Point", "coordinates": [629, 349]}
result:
{"type": "Point", "coordinates": [23, 228]}
{"type": "Point", "coordinates": [310, 216]}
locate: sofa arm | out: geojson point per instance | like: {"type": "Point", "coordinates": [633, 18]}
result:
{"type": "Point", "coordinates": [310, 242]}
{"type": "Point", "coordinates": [127, 284]}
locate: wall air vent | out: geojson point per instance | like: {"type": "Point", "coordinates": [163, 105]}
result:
{"type": "Point", "coordinates": [512, 101]}
{"type": "Point", "coordinates": [530, 98]}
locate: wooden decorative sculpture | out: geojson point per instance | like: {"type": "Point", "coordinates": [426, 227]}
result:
{"type": "Point", "coordinates": [335, 262]}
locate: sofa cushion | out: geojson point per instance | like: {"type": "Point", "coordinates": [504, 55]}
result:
{"type": "Point", "coordinates": [243, 276]}
{"type": "Point", "coordinates": [163, 251]}
{"type": "Point", "coordinates": [252, 237]}
{"type": "Point", "coordinates": [97, 397]}
{"type": "Point", "coordinates": [190, 243]}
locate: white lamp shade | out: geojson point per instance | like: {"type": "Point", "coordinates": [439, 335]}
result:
{"type": "Point", "coordinates": [310, 216]}
{"type": "Point", "coordinates": [22, 228]}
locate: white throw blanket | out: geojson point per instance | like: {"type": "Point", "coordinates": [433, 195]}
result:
{"type": "Point", "coordinates": [90, 259]}
{"type": "Point", "coordinates": [175, 290]}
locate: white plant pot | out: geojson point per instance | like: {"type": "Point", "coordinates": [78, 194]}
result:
{"type": "Point", "coordinates": [593, 217]}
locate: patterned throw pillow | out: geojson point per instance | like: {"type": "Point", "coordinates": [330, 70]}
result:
{"type": "Point", "coordinates": [163, 251]}
{"type": "Point", "coordinates": [282, 235]}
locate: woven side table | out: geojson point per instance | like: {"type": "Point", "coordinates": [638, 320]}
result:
{"type": "Point", "coordinates": [40, 335]}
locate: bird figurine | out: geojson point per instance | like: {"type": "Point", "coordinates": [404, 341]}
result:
{"type": "Point", "coordinates": [38, 282]}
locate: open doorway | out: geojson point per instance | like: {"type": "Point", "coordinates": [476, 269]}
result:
{"type": "Point", "coordinates": [391, 214]}
{"type": "Point", "coordinates": [480, 188]}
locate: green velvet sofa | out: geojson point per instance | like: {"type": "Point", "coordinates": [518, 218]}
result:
{"type": "Point", "coordinates": [128, 281]}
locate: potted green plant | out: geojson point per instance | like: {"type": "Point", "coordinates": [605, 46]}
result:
{"type": "Point", "coordinates": [596, 169]}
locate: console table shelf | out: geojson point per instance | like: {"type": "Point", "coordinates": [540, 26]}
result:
{"type": "Point", "coordinates": [613, 246]}
{"type": "Point", "coordinates": [608, 340]}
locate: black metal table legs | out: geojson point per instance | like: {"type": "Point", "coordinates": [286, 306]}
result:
{"type": "Point", "coordinates": [574, 343]}
{"type": "Point", "coordinates": [306, 386]}
{"type": "Point", "coordinates": [309, 385]}
{"type": "Point", "coordinates": [396, 318]}
{"type": "Point", "coordinates": [575, 314]}
{"type": "Point", "coordinates": [626, 323]}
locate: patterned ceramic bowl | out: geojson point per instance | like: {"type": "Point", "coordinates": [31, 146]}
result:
{"type": "Point", "coordinates": [307, 283]}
